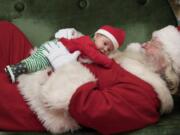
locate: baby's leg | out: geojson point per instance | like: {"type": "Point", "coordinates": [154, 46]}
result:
{"type": "Point", "coordinates": [37, 61]}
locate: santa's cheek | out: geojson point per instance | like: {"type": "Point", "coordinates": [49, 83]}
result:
{"type": "Point", "coordinates": [153, 51]}
{"type": "Point", "coordinates": [150, 52]}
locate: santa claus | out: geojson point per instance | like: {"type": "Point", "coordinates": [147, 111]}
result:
{"type": "Point", "coordinates": [129, 95]}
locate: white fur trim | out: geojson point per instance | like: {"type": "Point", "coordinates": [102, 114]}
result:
{"type": "Point", "coordinates": [49, 96]}
{"type": "Point", "coordinates": [110, 36]}
{"type": "Point", "coordinates": [131, 60]}
{"type": "Point", "coordinates": [170, 37]}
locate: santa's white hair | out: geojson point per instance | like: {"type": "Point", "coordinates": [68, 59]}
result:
{"type": "Point", "coordinates": [170, 38]}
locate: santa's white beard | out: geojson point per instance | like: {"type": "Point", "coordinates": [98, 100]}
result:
{"type": "Point", "coordinates": [157, 63]}
{"type": "Point", "coordinates": [152, 63]}
{"type": "Point", "coordinates": [136, 52]}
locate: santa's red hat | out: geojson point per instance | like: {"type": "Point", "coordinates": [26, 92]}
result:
{"type": "Point", "coordinates": [116, 35]}
{"type": "Point", "coordinates": [170, 38]}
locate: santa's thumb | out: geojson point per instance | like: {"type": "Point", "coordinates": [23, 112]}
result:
{"type": "Point", "coordinates": [76, 54]}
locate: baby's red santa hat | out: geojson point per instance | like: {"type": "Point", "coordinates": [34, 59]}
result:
{"type": "Point", "coordinates": [170, 38]}
{"type": "Point", "coordinates": [116, 35]}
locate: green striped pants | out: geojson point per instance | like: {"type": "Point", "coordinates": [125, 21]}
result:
{"type": "Point", "coordinates": [37, 61]}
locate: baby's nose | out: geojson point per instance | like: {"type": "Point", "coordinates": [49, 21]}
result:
{"type": "Point", "coordinates": [105, 48]}
{"type": "Point", "coordinates": [143, 45]}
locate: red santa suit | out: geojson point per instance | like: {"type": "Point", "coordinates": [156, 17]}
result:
{"type": "Point", "coordinates": [15, 114]}
{"type": "Point", "coordinates": [117, 102]}
{"type": "Point", "coordinates": [87, 48]}
{"type": "Point", "coordinates": [122, 99]}
{"type": "Point", "coordinates": [110, 100]}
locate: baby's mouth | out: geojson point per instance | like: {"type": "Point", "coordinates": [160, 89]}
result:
{"type": "Point", "coordinates": [104, 52]}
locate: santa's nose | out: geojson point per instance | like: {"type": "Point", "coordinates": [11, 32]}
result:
{"type": "Point", "coordinates": [145, 45]}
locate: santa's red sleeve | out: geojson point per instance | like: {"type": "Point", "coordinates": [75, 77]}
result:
{"type": "Point", "coordinates": [14, 46]}
{"type": "Point", "coordinates": [85, 45]}
{"type": "Point", "coordinates": [15, 115]}
{"type": "Point", "coordinates": [119, 107]}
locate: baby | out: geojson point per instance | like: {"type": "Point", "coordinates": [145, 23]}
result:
{"type": "Point", "coordinates": [106, 39]}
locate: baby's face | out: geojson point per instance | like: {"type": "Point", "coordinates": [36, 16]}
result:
{"type": "Point", "coordinates": [103, 44]}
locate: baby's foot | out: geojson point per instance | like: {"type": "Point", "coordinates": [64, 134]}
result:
{"type": "Point", "coordinates": [9, 70]}
{"type": "Point", "coordinates": [14, 71]}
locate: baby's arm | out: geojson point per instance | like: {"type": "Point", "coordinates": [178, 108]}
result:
{"type": "Point", "coordinates": [96, 56]}
{"type": "Point", "coordinates": [87, 48]}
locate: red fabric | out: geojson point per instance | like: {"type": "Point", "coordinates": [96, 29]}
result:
{"type": "Point", "coordinates": [178, 27]}
{"type": "Point", "coordinates": [117, 102]}
{"type": "Point", "coordinates": [109, 105]}
{"type": "Point", "coordinates": [15, 115]}
{"type": "Point", "coordinates": [87, 48]}
{"type": "Point", "coordinates": [13, 44]}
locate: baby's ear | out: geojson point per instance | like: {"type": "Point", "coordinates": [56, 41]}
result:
{"type": "Point", "coordinates": [96, 35]}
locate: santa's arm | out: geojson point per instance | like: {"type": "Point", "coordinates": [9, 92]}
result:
{"type": "Point", "coordinates": [112, 109]}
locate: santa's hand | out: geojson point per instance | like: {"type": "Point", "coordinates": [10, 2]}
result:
{"type": "Point", "coordinates": [53, 50]}
{"type": "Point", "coordinates": [57, 59]}
{"type": "Point", "coordinates": [56, 47]}
{"type": "Point", "coordinates": [69, 33]}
